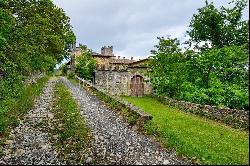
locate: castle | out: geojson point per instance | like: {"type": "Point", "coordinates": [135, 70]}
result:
{"type": "Point", "coordinates": [116, 75]}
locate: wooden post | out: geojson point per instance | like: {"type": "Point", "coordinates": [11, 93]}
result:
{"type": "Point", "coordinates": [107, 81]}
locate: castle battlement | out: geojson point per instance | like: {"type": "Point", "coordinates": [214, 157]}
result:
{"type": "Point", "coordinates": [107, 51]}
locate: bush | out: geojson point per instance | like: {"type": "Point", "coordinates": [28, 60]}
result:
{"type": "Point", "coordinates": [71, 75]}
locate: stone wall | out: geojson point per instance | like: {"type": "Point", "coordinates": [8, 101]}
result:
{"type": "Point", "coordinates": [233, 117]}
{"type": "Point", "coordinates": [118, 82]}
{"type": "Point", "coordinates": [102, 60]}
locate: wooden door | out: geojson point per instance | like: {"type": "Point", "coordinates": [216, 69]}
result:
{"type": "Point", "coordinates": [137, 86]}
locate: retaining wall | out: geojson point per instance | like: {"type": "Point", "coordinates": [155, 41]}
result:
{"type": "Point", "coordinates": [233, 117]}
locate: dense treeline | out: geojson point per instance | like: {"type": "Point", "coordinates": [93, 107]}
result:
{"type": "Point", "coordinates": [214, 68]}
{"type": "Point", "coordinates": [34, 36]}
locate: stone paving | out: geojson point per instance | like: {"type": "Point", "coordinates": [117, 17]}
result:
{"type": "Point", "coordinates": [28, 143]}
{"type": "Point", "coordinates": [115, 141]}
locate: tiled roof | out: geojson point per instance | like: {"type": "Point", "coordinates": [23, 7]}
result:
{"type": "Point", "coordinates": [139, 61]}
{"type": "Point", "coordinates": [97, 54]}
{"type": "Point", "coordinates": [121, 61]}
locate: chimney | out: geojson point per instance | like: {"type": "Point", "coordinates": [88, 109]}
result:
{"type": "Point", "coordinates": [132, 58]}
{"type": "Point", "coordinates": [118, 57]}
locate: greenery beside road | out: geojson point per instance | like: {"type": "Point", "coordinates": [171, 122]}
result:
{"type": "Point", "coordinates": [213, 68]}
{"type": "Point", "coordinates": [202, 140]}
{"type": "Point", "coordinates": [73, 135]}
{"type": "Point", "coordinates": [34, 37]}
{"type": "Point", "coordinates": [12, 109]}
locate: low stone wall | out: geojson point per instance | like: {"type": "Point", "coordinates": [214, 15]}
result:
{"type": "Point", "coordinates": [232, 117]}
{"type": "Point", "coordinates": [143, 117]}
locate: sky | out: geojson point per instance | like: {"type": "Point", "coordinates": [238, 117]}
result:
{"type": "Point", "coordinates": [131, 26]}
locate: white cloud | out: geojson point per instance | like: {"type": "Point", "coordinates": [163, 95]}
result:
{"type": "Point", "coordinates": [131, 26]}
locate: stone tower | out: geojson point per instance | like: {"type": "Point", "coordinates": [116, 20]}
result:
{"type": "Point", "coordinates": [107, 51]}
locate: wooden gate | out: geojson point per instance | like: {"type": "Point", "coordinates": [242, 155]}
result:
{"type": "Point", "coordinates": [137, 86]}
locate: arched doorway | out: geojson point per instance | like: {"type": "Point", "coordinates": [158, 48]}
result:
{"type": "Point", "coordinates": [137, 86]}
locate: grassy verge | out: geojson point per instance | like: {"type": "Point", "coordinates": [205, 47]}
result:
{"type": "Point", "coordinates": [13, 109]}
{"type": "Point", "coordinates": [204, 141]}
{"type": "Point", "coordinates": [72, 135]}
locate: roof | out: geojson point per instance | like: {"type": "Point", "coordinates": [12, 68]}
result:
{"type": "Point", "coordinates": [101, 55]}
{"type": "Point", "coordinates": [139, 61]}
{"type": "Point", "coordinates": [121, 61]}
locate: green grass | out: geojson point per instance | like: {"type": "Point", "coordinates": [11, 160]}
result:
{"type": "Point", "coordinates": [204, 141]}
{"type": "Point", "coordinates": [11, 110]}
{"type": "Point", "coordinates": [73, 134]}
{"type": "Point", "coordinates": [74, 81]}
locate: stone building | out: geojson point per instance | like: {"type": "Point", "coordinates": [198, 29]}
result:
{"type": "Point", "coordinates": [116, 75]}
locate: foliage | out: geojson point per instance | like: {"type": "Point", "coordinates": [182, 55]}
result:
{"type": "Point", "coordinates": [202, 140]}
{"type": "Point", "coordinates": [167, 67]}
{"type": "Point", "coordinates": [216, 75]}
{"type": "Point", "coordinates": [85, 64]}
{"type": "Point", "coordinates": [64, 69]}
{"type": "Point", "coordinates": [34, 36]}
{"type": "Point", "coordinates": [12, 109]}
{"type": "Point", "coordinates": [71, 75]}
{"type": "Point", "coordinates": [73, 134]}
{"type": "Point", "coordinates": [220, 27]}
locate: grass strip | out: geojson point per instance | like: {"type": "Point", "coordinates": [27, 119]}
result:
{"type": "Point", "coordinates": [202, 140]}
{"type": "Point", "coordinates": [14, 109]}
{"type": "Point", "coordinates": [73, 135]}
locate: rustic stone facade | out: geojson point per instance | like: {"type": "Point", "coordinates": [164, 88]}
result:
{"type": "Point", "coordinates": [118, 76]}
{"type": "Point", "coordinates": [119, 82]}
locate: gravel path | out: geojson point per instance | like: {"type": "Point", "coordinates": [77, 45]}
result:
{"type": "Point", "coordinates": [29, 143]}
{"type": "Point", "coordinates": [115, 140]}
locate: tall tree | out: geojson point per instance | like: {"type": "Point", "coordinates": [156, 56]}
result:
{"type": "Point", "coordinates": [220, 27]}
{"type": "Point", "coordinates": [34, 36]}
{"type": "Point", "coordinates": [41, 35]}
{"type": "Point", "coordinates": [167, 66]}
{"type": "Point", "coordinates": [215, 74]}
{"type": "Point", "coordinates": [85, 63]}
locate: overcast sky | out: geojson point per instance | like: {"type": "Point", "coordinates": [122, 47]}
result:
{"type": "Point", "coordinates": [131, 26]}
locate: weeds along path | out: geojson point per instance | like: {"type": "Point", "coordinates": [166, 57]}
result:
{"type": "Point", "coordinates": [29, 143]}
{"type": "Point", "coordinates": [115, 141]}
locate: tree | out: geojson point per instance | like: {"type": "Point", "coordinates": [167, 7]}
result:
{"type": "Point", "coordinates": [167, 66]}
{"type": "Point", "coordinates": [219, 27]}
{"type": "Point", "coordinates": [34, 36]}
{"type": "Point", "coordinates": [41, 35]}
{"type": "Point", "coordinates": [64, 69]}
{"type": "Point", "coordinates": [218, 76]}
{"type": "Point", "coordinates": [85, 63]}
